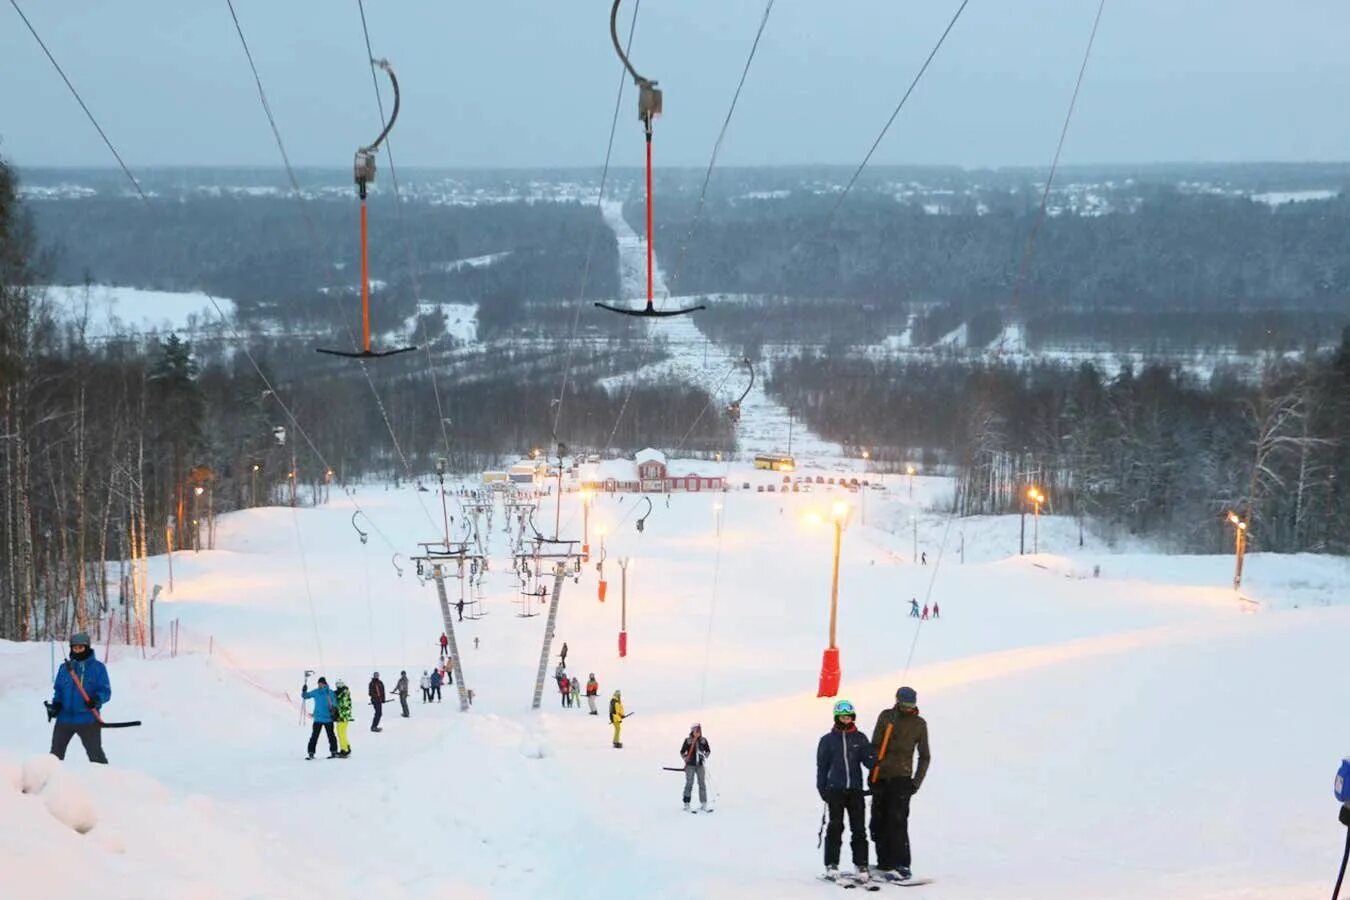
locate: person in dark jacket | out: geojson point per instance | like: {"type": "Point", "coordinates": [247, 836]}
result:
{"type": "Point", "coordinates": [844, 757]}
{"type": "Point", "coordinates": [900, 732]}
{"type": "Point", "coordinates": [376, 700]}
{"type": "Point", "coordinates": [695, 751]}
{"type": "Point", "coordinates": [436, 684]}
{"type": "Point", "coordinates": [325, 707]}
{"type": "Point", "coordinates": [401, 688]}
{"type": "Point", "coordinates": [79, 692]}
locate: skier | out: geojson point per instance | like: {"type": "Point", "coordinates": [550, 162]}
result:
{"type": "Point", "coordinates": [564, 654]}
{"type": "Point", "coordinates": [592, 691]}
{"type": "Point", "coordinates": [576, 692]}
{"type": "Point", "coordinates": [899, 732]}
{"type": "Point", "coordinates": [616, 717]}
{"type": "Point", "coordinates": [475, 643]}
{"type": "Point", "coordinates": [459, 608]}
{"type": "Point", "coordinates": [343, 717]}
{"type": "Point", "coordinates": [935, 610]}
{"type": "Point", "coordinates": [565, 688]}
{"type": "Point", "coordinates": [324, 705]}
{"type": "Point", "coordinates": [426, 686]}
{"type": "Point", "coordinates": [401, 688]}
{"type": "Point", "coordinates": [79, 692]}
{"type": "Point", "coordinates": [436, 684]}
{"type": "Point", "coordinates": [695, 752]}
{"type": "Point", "coordinates": [843, 758]}
{"type": "Point", "coordinates": [923, 558]}
{"type": "Point", "coordinates": [924, 617]}
{"type": "Point", "coordinates": [445, 645]}
{"type": "Point", "coordinates": [913, 608]}
{"type": "Point", "coordinates": [376, 700]}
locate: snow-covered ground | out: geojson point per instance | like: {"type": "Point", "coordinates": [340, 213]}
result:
{"type": "Point", "coordinates": [107, 310]}
{"type": "Point", "coordinates": [1144, 733]}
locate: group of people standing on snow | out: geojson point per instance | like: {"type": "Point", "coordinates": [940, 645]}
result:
{"type": "Point", "coordinates": [849, 765]}
{"type": "Point", "coordinates": [333, 712]}
{"type": "Point", "coordinates": [914, 610]}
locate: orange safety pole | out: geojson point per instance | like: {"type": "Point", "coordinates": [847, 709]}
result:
{"type": "Point", "coordinates": [365, 283]}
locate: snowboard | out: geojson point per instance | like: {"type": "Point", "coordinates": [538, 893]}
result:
{"type": "Point", "coordinates": [849, 882]}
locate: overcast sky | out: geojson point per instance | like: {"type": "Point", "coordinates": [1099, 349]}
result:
{"type": "Point", "coordinates": [532, 82]}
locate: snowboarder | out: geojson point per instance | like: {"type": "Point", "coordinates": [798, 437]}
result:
{"type": "Point", "coordinates": [324, 707]}
{"type": "Point", "coordinates": [376, 700]}
{"type": "Point", "coordinates": [844, 757]}
{"type": "Point", "coordinates": [923, 558]}
{"type": "Point", "coordinates": [475, 643]}
{"type": "Point", "coordinates": [913, 608]}
{"type": "Point", "coordinates": [79, 692]}
{"type": "Point", "coordinates": [592, 691]}
{"type": "Point", "coordinates": [436, 684]}
{"type": "Point", "coordinates": [401, 688]}
{"type": "Point", "coordinates": [695, 752]}
{"type": "Point", "coordinates": [935, 610]}
{"type": "Point", "coordinates": [563, 655]}
{"type": "Point", "coordinates": [343, 717]}
{"type": "Point", "coordinates": [899, 732]}
{"type": "Point", "coordinates": [924, 617]}
{"type": "Point", "coordinates": [616, 717]}
{"type": "Point", "coordinates": [565, 688]}
{"type": "Point", "coordinates": [459, 608]}
{"type": "Point", "coordinates": [445, 645]}
{"type": "Point", "coordinates": [576, 692]}
{"type": "Point", "coordinates": [426, 686]}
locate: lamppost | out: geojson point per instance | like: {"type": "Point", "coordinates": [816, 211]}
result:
{"type": "Point", "coordinates": [829, 663]}
{"type": "Point", "coordinates": [1035, 496]}
{"type": "Point", "coordinates": [866, 456]}
{"type": "Point", "coordinates": [196, 519]}
{"type": "Point", "coordinates": [624, 563]}
{"type": "Point", "coordinates": [1239, 546]}
{"type": "Point", "coordinates": [168, 540]}
{"type": "Point", "coordinates": [909, 470]}
{"type": "Point", "coordinates": [602, 585]}
{"type": "Point", "coordinates": [717, 514]}
{"type": "Point", "coordinates": [253, 486]}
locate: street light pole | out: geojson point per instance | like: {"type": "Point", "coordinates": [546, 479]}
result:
{"type": "Point", "coordinates": [623, 606]}
{"type": "Point", "coordinates": [909, 470]}
{"type": "Point", "coordinates": [1239, 547]}
{"type": "Point", "coordinates": [585, 525]}
{"type": "Point", "coordinates": [1035, 496]}
{"type": "Point", "coordinates": [829, 664]}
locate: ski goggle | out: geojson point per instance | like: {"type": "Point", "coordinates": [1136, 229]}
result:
{"type": "Point", "coordinates": [843, 708]}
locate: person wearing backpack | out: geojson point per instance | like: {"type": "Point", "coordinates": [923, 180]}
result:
{"type": "Point", "coordinates": [324, 707]}
{"type": "Point", "coordinates": [900, 732]}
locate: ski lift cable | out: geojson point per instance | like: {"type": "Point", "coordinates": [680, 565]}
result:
{"type": "Point", "coordinates": [80, 100]}
{"type": "Point", "coordinates": [314, 236]}
{"type": "Point", "coordinates": [309, 594]}
{"type": "Point", "coordinates": [234, 333]}
{"type": "Point", "coordinates": [1017, 286]}
{"type": "Point", "coordinates": [590, 244]}
{"type": "Point", "coordinates": [407, 241]}
{"type": "Point", "coordinates": [712, 606]}
{"type": "Point", "coordinates": [899, 106]}
{"type": "Point", "coordinates": [717, 147]}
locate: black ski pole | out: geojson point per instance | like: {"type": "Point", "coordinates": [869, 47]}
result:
{"type": "Point", "coordinates": [820, 835]}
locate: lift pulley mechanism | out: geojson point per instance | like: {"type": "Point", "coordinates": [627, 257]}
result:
{"type": "Point", "coordinates": [649, 107]}
{"type": "Point", "coordinates": [363, 170]}
{"type": "Point", "coordinates": [643, 521]}
{"type": "Point", "coordinates": [734, 408]}
{"type": "Point", "coordinates": [364, 537]}
{"type": "Point", "coordinates": [397, 567]}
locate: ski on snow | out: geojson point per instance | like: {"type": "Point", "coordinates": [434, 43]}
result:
{"type": "Point", "coordinates": [849, 882]}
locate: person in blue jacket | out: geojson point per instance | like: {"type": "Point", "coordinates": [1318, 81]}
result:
{"type": "Point", "coordinates": [73, 712]}
{"type": "Point", "coordinates": [325, 705]}
{"type": "Point", "coordinates": [844, 757]}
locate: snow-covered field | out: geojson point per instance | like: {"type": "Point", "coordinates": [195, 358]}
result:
{"type": "Point", "coordinates": [107, 310]}
{"type": "Point", "coordinates": [1144, 733]}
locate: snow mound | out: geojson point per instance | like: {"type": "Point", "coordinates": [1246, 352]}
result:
{"type": "Point", "coordinates": [36, 772]}
{"type": "Point", "coordinates": [69, 801]}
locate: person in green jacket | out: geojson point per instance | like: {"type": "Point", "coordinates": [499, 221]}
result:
{"type": "Point", "coordinates": [900, 732]}
{"type": "Point", "coordinates": [343, 717]}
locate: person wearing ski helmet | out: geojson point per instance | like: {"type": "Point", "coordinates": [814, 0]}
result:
{"type": "Point", "coordinates": [616, 717]}
{"type": "Point", "coordinates": [325, 705]}
{"type": "Point", "coordinates": [343, 700]}
{"type": "Point", "coordinates": [900, 732]}
{"type": "Point", "coordinates": [695, 751]}
{"type": "Point", "coordinates": [79, 692]}
{"type": "Point", "coordinates": [844, 758]}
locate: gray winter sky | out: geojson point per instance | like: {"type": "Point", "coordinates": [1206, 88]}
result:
{"type": "Point", "coordinates": [532, 82]}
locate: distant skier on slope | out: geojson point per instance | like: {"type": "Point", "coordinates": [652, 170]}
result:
{"type": "Point", "coordinates": [565, 689]}
{"type": "Point", "coordinates": [426, 686]}
{"type": "Point", "coordinates": [900, 732]}
{"type": "Point", "coordinates": [913, 608]}
{"type": "Point", "coordinates": [343, 717]}
{"type": "Point", "coordinates": [924, 617]}
{"type": "Point", "coordinates": [563, 656]}
{"type": "Point", "coordinates": [377, 701]}
{"type": "Point", "coordinates": [695, 752]}
{"type": "Point", "coordinates": [616, 717]}
{"type": "Point", "coordinates": [936, 615]}
{"type": "Point", "coordinates": [79, 692]}
{"type": "Point", "coordinates": [459, 608]}
{"type": "Point", "coordinates": [576, 692]}
{"type": "Point", "coordinates": [436, 684]}
{"type": "Point", "coordinates": [844, 758]}
{"type": "Point", "coordinates": [401, 688]}
{"type": "Point", "coordinates": [445, 645]}
{"type": "Point", "coordinates": [324, 707]}
{"type": "Point", "coordinates": [592, 691]}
